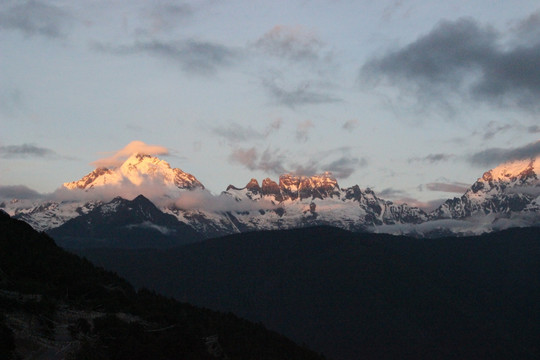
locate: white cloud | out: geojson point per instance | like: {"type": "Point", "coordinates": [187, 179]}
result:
{"type": "Point", "coordinates": [134, 147]}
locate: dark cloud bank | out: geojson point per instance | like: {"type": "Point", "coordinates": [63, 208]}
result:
{"type": "Point", "coordinates": [496, 156]}
{"type": "Point", "coordinates": [24, 151]}
{"type": "Point", "coordinates": [34, 18]}
{"type": "Point", "coordinates": [18, 192]}
{"type": "Point", "coordinates": [466, 58]}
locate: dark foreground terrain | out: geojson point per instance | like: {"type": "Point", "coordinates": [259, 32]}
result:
{"type": "Point", "coordinates": [361, 296]}
{"type": "Point", "coordinates": [55, 305]}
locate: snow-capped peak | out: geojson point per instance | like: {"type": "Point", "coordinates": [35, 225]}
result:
{"type": "Point", "coordinates": [514, 170]}
{"type": "Point", "coordinates": [510, 190]}
{"type": "Point", "coordinates": [137, 170]}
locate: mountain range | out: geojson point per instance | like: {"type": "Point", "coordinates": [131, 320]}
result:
{"type": "Point", "coordinates": [176, 208]}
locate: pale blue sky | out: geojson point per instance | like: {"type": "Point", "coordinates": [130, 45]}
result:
{"type": "Point", "coordinates": [395, 95]}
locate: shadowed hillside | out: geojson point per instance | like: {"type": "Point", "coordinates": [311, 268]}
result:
{"type": "Point", "coordinates": [55, 305]}
{"type": "Point", "coordinates": [361, 295]}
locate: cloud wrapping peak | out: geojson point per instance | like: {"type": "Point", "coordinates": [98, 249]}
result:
{"type": "Point", "coordinates": [464, 58]}
{"type": "Point", "coordinates": [134, 147]}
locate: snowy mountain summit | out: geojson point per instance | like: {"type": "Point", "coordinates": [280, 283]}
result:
{"type": "Point", "coordinates": [138, 170]}
{"type": "Point", "coordinates": [505, 196]}
{"type": "Point", "coordinates": [509, 190]}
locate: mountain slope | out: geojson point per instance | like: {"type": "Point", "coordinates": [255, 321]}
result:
{"type": "Point", "coordinates": [56, 305]}
{"type": "Point", "coordinates": [127, 224]}
{"type": "Point", "coordinates": [363, 296]}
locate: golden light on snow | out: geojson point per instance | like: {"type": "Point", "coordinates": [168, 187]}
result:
{"type": "Point", "coordinates": [134, 147]}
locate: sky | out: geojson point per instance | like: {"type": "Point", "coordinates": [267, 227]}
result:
{"type": "Point", "coordinates": [414, 99]}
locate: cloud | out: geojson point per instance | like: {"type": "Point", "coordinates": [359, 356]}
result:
{"type": "Point", "coordinates": [149, 187]}
{"type": "Point", "coordinates": [303, 128]}
{"type": "Point", "coordinates": [275, 162]}
{"type": "Point", "coordinates": [134, 147]}
{"type": "Point", "coordinates": [424, 205]}
{"type": "Point", "coordinates": [392, 193]}
{"type": "Point", "coordinates": [300, 94]}
{"type": "Point", "coordinates": [533, 129]}
{"type": "Point", "coordinates": [18, 192]}
{"type": "Point", "coordinates": [465, 59]}
{"type": "Point", "coordinates": [528, 30]}
{"type": "Point", "coordinates": [344, 167]}
{"type": "Point", "coordinates": [25, 151]}
{"type": "Point", "coordinates": [204, 200]}
{"type": "Point", "coordinates": [293, 43]}
{"type": "Point", "coordinates": [11, 101]}
{"type": "Point", "coordinates": [274, 125]}
{"type": "Point", "coordinates": [399, 196]}
{"type": "Point", "coordinates": [166, 16]}
{"type": "Point", "coordinates": [493, 129]}
{"type": "Point", "coordinates": [194, 56]}
{"type": "Point", "coordinates": [391, 9]}
{"type": "Point", "coordinates": [247, 157]}
{"type": "Point", "coordinates": [496, 156]}
{"type": "Point", "coordinates": [34, 18]}
{"type": "Point", "coordinates": [350, 125]}
{"type": "Point", "coordinates": [297, 67]}
{"type": "Point", "coordinates": [432, 158]}
{"type": "Point", "coordinates": [452, 187]}
{"type": "Point", "coordinates": [235, 132]}
{"type": "Point", "coordinates": [268, 161]}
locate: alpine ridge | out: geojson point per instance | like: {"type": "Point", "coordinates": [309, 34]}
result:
{"type": "Point", "coordinates": [505, 196]}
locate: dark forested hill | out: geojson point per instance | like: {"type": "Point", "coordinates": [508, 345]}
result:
{"type": "Point", "coordinates": [355, 296]}
{"type": "Point", "coordinates": [55, 305]}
